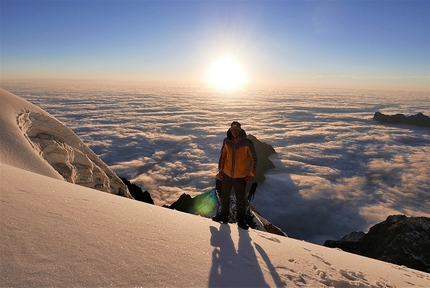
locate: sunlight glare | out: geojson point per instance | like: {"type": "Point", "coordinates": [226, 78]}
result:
{"type": "Point", "coordinates": [226, 73]}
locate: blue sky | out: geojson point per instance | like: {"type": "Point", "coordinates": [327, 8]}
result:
{"type": "Point", "coordinates": [333, 44]}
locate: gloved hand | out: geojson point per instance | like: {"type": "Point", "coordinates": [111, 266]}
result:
{"type": "Point", "coordinates": [249, 178]}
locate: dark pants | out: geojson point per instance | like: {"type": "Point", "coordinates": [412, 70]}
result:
{"type": "Point", "coordinates": [239, 185]}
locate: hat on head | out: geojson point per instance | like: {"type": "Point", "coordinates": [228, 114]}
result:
{"type": "Point", "coordinates": [235, 124]}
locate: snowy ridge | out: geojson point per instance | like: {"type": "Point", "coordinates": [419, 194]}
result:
{"type": "Point", "coordinates": [67, 154]}
{"type": "Point", "coordinates": [58, 234]}
{"type": "Point", "coordinates": [13, 140]}
{"type": "Point", "coordinates": [51, 145]}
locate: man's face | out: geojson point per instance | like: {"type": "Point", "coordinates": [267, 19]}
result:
{"type": "Point", "coordinates": [235, 131]}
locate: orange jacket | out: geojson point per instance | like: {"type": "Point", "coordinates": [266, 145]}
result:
{"type": "Point", "coordinates": [238, 158]}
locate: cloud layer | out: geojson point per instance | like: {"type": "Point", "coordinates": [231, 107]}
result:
{"type": "Point", "coordinates": [336, 169]}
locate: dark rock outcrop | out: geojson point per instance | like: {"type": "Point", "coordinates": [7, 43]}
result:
{"type": "Point", "coordinates": [184, 204]}
{"type": "Point", "coordinates": [417, 119]}
{"type": "Point", "coordinates": [137, 193]}
{"type": "Point", "coordinates": [264, 164]}
{"type": "Point", "coordinates": [399, 240]}
{"type": "Point", "coordinates": [348, 242]}
{"type": "Point", "coordinates": [267, 226]}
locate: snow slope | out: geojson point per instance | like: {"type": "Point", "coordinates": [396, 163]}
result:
{"type": "Point", "coordinates": [45, 143]}
{"type": "Point", "coordinates": [14, 147]}
{"type": "Point", "coordinates": [58, 234]}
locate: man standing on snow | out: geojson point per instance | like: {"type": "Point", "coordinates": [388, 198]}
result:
{"type": "Point", "coordinates": [236, 167]}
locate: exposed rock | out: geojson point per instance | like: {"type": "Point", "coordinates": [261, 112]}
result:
{"type": "Point", "coordinates": [348, 242]}
{"type": "Point", "coordinates": [353, 236]}
{"type": "Point", "coordinates": [417, 119]}
{"type": "Point", "coordinates": [204, 204]}
{"type": "Point", "coordinates": [399, 240]}
{"type": "Point", "coordinates": [263, 151]}
{"type": "Point", "coordinates": [137, 193]}
{"type": "Point", "coordinates": [184, 204]}
{"type": "Point", "coordinates": [266, 225]}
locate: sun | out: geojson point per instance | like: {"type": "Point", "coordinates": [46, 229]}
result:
{"type": "Point", "coordinates": [226, 73]}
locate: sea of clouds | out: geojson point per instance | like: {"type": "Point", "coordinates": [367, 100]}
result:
{"type": "Point", "coordinates": [337, 170]}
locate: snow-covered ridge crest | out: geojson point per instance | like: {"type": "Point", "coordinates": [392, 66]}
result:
{"type": "Point", "coordinates": [34, 140]}
{"type": "Point", "coordinates": [67, 154]}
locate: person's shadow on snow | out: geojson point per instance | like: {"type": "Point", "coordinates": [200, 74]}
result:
{"type": "Point", "coordinates": [231, 268]}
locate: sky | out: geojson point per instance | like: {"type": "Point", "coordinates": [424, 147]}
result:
{"type": "Point", "coordinates": [329, 44]}
{"type": "Point", "coordinates": [54, 233]}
